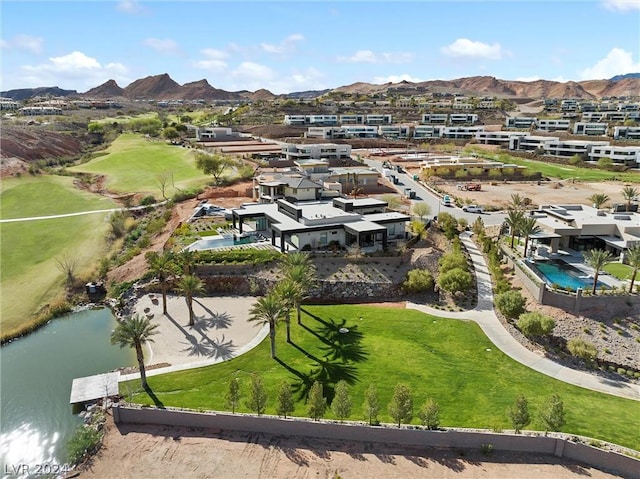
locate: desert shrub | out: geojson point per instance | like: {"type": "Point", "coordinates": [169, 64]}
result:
{"type": "Point", "coordinates": [535, 324]}
{"type": "Point", "coordinates": [511, 303]}
{"type": "Point", "coordinates": [455, 280]}
{"type": "Point", "coordinates": [582, 349]}
{"type": "Point", "coordinates": [451, 261]}
{"type": "Point", "coordinates": [418, 281]}
{"type": "Point", "coordinates": [147, 200]}
{"type": "Point", "coordinates": [84, 440]}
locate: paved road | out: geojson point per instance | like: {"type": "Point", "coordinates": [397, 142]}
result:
{"type": "Point", "coordinates": [485, 316]}
{"type": "Point", "coordinates": [425, 195]}
{"type": "Point", "coordinates": [80, 213]}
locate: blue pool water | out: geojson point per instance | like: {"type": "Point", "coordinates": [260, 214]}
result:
{"type": "Point", "coordinates": [218, 242]}
{"type": "Point", "coordinates": [557, 272]}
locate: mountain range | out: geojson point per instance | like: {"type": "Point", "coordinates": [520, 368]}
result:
{"type": "Point", "coordinates": [163, 87]}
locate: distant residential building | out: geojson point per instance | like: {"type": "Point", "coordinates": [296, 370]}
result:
{"type": "Point", "coordinates": [434, 118]}
{"type": "Point", "coordinates": [40, 110]}
{"type": "Point", "coordinates": [569, 148]}
{"type": "Point", "coordinates": [360, 131]}
{"type": "Point", "coordinates": [625, 155]}
{"type": "Point", "coordinates": [394, 131]}
{"type": "Point", "coordinates": [553, 125]}
{"type": "Point", "coordinates": [502, 138]}
{"type": "Point", "coordinates": [352, 119]}
{"type": "Point", "coordinates": [326, 132]}
{"type": "Point", "coordinates": [486, 105]}
{"type": "Point", "coordinates": [569, 104]}
{"type": "Point", "coordinates": [217, 134]}
{"type": "Point", "coordinates": [428, 131]}
{"type": "Point", "coordinates": [292, 151]}
{"type": "Point", "coordinates": [9, 104]}
{"type": "Point", "coordinates": [461, 132]}
{"type": "Point", "coordinates": [379, 119]}
{"type": "Point", "coordinates": [591, 129]}
{"type": "Point", "coordinates": [521, 122]}
{"type": "Point", "coordinates": [626, 132]}
{"type": "Point", "coordinates": [462, 119]}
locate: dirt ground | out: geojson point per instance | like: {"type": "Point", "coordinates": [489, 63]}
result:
{"type": "Point", "coordinates": [137, 451]}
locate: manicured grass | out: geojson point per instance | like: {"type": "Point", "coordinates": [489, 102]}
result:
{"type": "Point", "coordinates": [451, 361]}
{"type": "Point", "coordinates": [124, 119]}
{"type": "Point", "coordinates": [619, 270]}
{"type": "Point", "coordinates": [135, 163]}
{"type": "Point", "coordinates": [30, 277]}
{"type": "Point", "coordinates": [566, 172]}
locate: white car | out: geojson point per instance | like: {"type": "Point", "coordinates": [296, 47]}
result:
{"type": "Point", "coordinates": [473, 209]}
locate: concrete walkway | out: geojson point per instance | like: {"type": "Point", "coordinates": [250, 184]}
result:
{"type": "Point", "coordinates": [485, 316]}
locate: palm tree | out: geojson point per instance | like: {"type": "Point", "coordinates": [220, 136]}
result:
{"type": "Point", "coordinates": [187, 259]}
{"type": "Point", "coordinates": [295, 259]}
{"type": "Point", "coordinates": [162, 266]}
{"type": "Point", "coordinates": [268, 310]}
{"type": "Point", "coordinates": [596, 258]}
{"type": "Point", "coordinates": [517, 202]}
{"type": "Point", "coordinates": [633, 257]}
{"type": "Point", "coordinates": [514, 219]}
{"type": "Point", "coordinates": [528, 227]}
{"type": "Point", "coordinates": [629, 193]}
{"type": "Point", "coordinates": [133, 332]}
{"type": "Point", "coordinates": [304, 276]}
{"type": "Point", "coordinates": [290, 294]}
{"type": "Point", "coordinates": [189, 286]}
{"type": "Point", "coordinates": [598, 199]}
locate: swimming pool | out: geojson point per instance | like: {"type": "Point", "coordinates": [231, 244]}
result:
{"type": "Point", "coordinates": [214, 242]}
{"type": "Point", "coordinates": [556, 272]}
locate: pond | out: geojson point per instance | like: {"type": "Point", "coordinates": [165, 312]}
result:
{"type": "Point", "coordinates": [36, 373]}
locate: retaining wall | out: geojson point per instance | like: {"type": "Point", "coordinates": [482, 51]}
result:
{"type": "Point", "coordinates": [560, 447]}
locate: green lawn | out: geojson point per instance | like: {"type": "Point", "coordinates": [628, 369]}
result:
{"type": "Point", "coordinates": [135, 163]}
{"type": "Point", "coordinates": [619, 270]}
{"type": "Point", "coordinates": [451, 361]}
{"type": "Point", "coordinates": [28, 250]}
{"type": "Point", "coordinates": [566, 172]}
{"type": "Point", "coordinates": [124, 119]}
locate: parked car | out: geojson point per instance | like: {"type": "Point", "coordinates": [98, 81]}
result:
{"type": "Point", "coordinates": [446, 200]}
{"type": "Point", "coordinates": [473, 209]}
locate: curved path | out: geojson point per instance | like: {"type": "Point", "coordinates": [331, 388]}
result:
{"type": "Point", "coordinates": [485, 316]}
{"type": "Point", "coordinates": [80, 213]}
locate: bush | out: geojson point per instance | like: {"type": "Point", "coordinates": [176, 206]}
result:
{"type": "Point", "coordinates": [511, 304]}
{"type": "Point", "coordinates": [582, 349]}
{"type": "Point", "coordinates": [535, 324]}
{"type": "Point", "coordinates": [451, 261]}
{"type": "Point", "coordinates": [418, 281]}
{"type": "Point", "coordinates": [147, 200]}
{"type": "Point", "coordinates": [83, 441]}
{"type": "Point", "coordinates": [455, 280]}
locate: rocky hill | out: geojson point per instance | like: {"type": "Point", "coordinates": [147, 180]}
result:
{"type": "Point", "coordinates": [26, 93]}
{"type": "Point", "coordinates": [108, 90]}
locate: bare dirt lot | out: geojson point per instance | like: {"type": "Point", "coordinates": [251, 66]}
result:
{"type": "Point", "coordinates": [136, 451]}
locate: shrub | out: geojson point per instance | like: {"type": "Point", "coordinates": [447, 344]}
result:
{"type": "Point", "coordinates": [535, 324]}
{"type": "Point", "coordinates": [83, 441]}
{"type": "Point", "coordinates": [486, 449]}
{"type": "Point", "coordinates": [147, 200]}
{"type": "Point", "coordinates": [451, 261]}
{"type": "Point", "coordinates": [455, 280]}
{"type": "Point", "coordinates": [582, 349]}
{"type": "Point", "coordinates": [511, 303]}
{"type": "Point", "coordinates": [418, 281]}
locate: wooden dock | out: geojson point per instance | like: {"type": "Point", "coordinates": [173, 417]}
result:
{"type": "Point", "coordinates": [95, 387]}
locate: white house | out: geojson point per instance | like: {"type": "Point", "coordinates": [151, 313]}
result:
{"type": "Point", "coordinates": [434, 118]}
{"type": "Point", "coordinates": [595, 129]}
{"type": "Point", "coordinates": [352, 119]}
{"type": "Point", "coordinates": [379, 119]}
{"type": "Point", "coordinates": [360, 131]}
{"type": "Point", "coordinates": [498, 137]}
{"type": "Point", "coordinates": [461, 132]}
{"type": "Point", "coordinates": [626, 155]}
{"type": "Point", "coordinates": [522, 122]}
{"type": "Point", "coordinates": [553, 125]}
{"type": "Point", "coordinates": [462, 119]}
{"type": "Point", "coordinates": [626, 132]}
{"type": "Point", "coordinates": [428, 131]}
{"type": "Point", "coordinates": [292, 151]}
{"type": "Point", "coordinates": [394, 131]}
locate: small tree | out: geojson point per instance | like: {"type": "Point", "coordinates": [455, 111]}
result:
{"type": "Point", "coordinates": [341, 404]}
{"type": "Point", "coordinates": [285, 400]}
{"type": "Point", "coordinates": [535, 324]}
{"type": "Point", "coordinates": [418, 228]}
{"type": "Point", "coordinates": [598, 199]}
{"type": "Point", "coordinates": [257, 401]}
{"type": "Point", "coordinates": [552, 413]}
{"type": "Point", "coordinates": [519, 413]}
{"type": "Point", "coordinates": [170, 133]}
{"type": "Point", "coordinates": [317, 403]}
{"type": "Point", "coordinates": [421, 210]}
{"type": "Point", "coordinates": [448, 224]}
{"type": "Point", "coordinates": [511, 303]}
{"type": "Point", "coordinates": [633, 257]}
{"type": "Point", "coordinates": [629, 193]}
{"type": "Point", "coordinates": [68, 264]}
{"type": "Point", "coordinates": [214, 165]}
{"type": "Point", "coordinates": [233, 394]}
{"type": "Point", "coordinates": [401, 405]}
{"type": "Point", "coordinates": [371, 405]}
{"type": "Point", "coordinates": [430, 414]}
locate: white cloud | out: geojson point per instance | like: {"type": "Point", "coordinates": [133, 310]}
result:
{"type": "Point", "coordinates": [397, 79]}
{"type": "Point", "coordinates": [367, 56]}
{"type": "Point", "coordinates": [213, 61]}
{"type": "Point", "coordinates": [617, 62]}
{"type": "Point", "coordinates": [621, 5]}
{"type": "Point", "coordinates": [463, 47]}
{"type": "Point", "coordinates": [166, 46]}
{"type": "Point", "coordinates": [25, 43]}
{"type": "Point", "coordinates": [254, 73]}
{"type": "Point", "coordinates": [75, 70]}
{"type": "Point", "coordinates": [285, 46]}
{"type": "Point", "coordinates": [129, 6]}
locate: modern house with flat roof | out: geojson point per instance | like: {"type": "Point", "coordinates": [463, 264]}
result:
{"type": "Point", "coordinates": [208, 133]}
{"type": "Point", "coordinates": [394, 131]}
{"type": "Point", "coordinates": [434, 118]}
{"type": "Point", "coordinates": [571, 147]}
{"type": "Point", "coordinates": [581, 228]}
{"type": "Point", "coordinates": [461, 132]}
{"type": "Point", "coordinates": [293, 151]}
{"type": "Point", "coordinates": [595, 129]}
{"type": "Point", "coordinates": [463, 119]}
{"type": "Point", "coordinates": [624, 155]}
{"type": "Point", "coordinates": [352, 119]}
{"type": "Point", "coordinates": [360, 131]}
{"type": "Point", "coordinates": [428, 131]}
{"type": "Point", "coordinates": [626, 132]}
{"type": "Point", "coordinates": [498, 137]}
{"type": "Point", "coordinates": [318, 224]}
{"type": "Point", "coordinates": [326, 132]}
{"type": "Point", "coordinates": [521, 122]}
{"type": "Point", "coordinates": [553, 125]}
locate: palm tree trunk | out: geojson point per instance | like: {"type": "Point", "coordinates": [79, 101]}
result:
{"type": "Point", "coordinates": [526, 243]}
{"type": "Point", "coordinates": [288, 321]}
{"type": "Point", "coordinates": [164, 297]}
{"type": "Point", "coordinates": [633, 278]}
{"type": "Point", "coordinates": [298, 308]}
{"type": "Point", "coordinates": [272, 337]}
{"type": "Point", "coordinates": [143, 374]}
{"type": "Point", "coordinates": [189, 300]}
{"type": "Point", "coordinates": [513, 239]}
{"type": "Point", "coordinates": [595, 283]}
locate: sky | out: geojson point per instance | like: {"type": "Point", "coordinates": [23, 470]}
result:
{"type": "Point", "coordinates": [292, 46]}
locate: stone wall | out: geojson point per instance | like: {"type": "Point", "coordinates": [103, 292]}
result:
{"type": "Point", "coordinates": [607, 460]}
